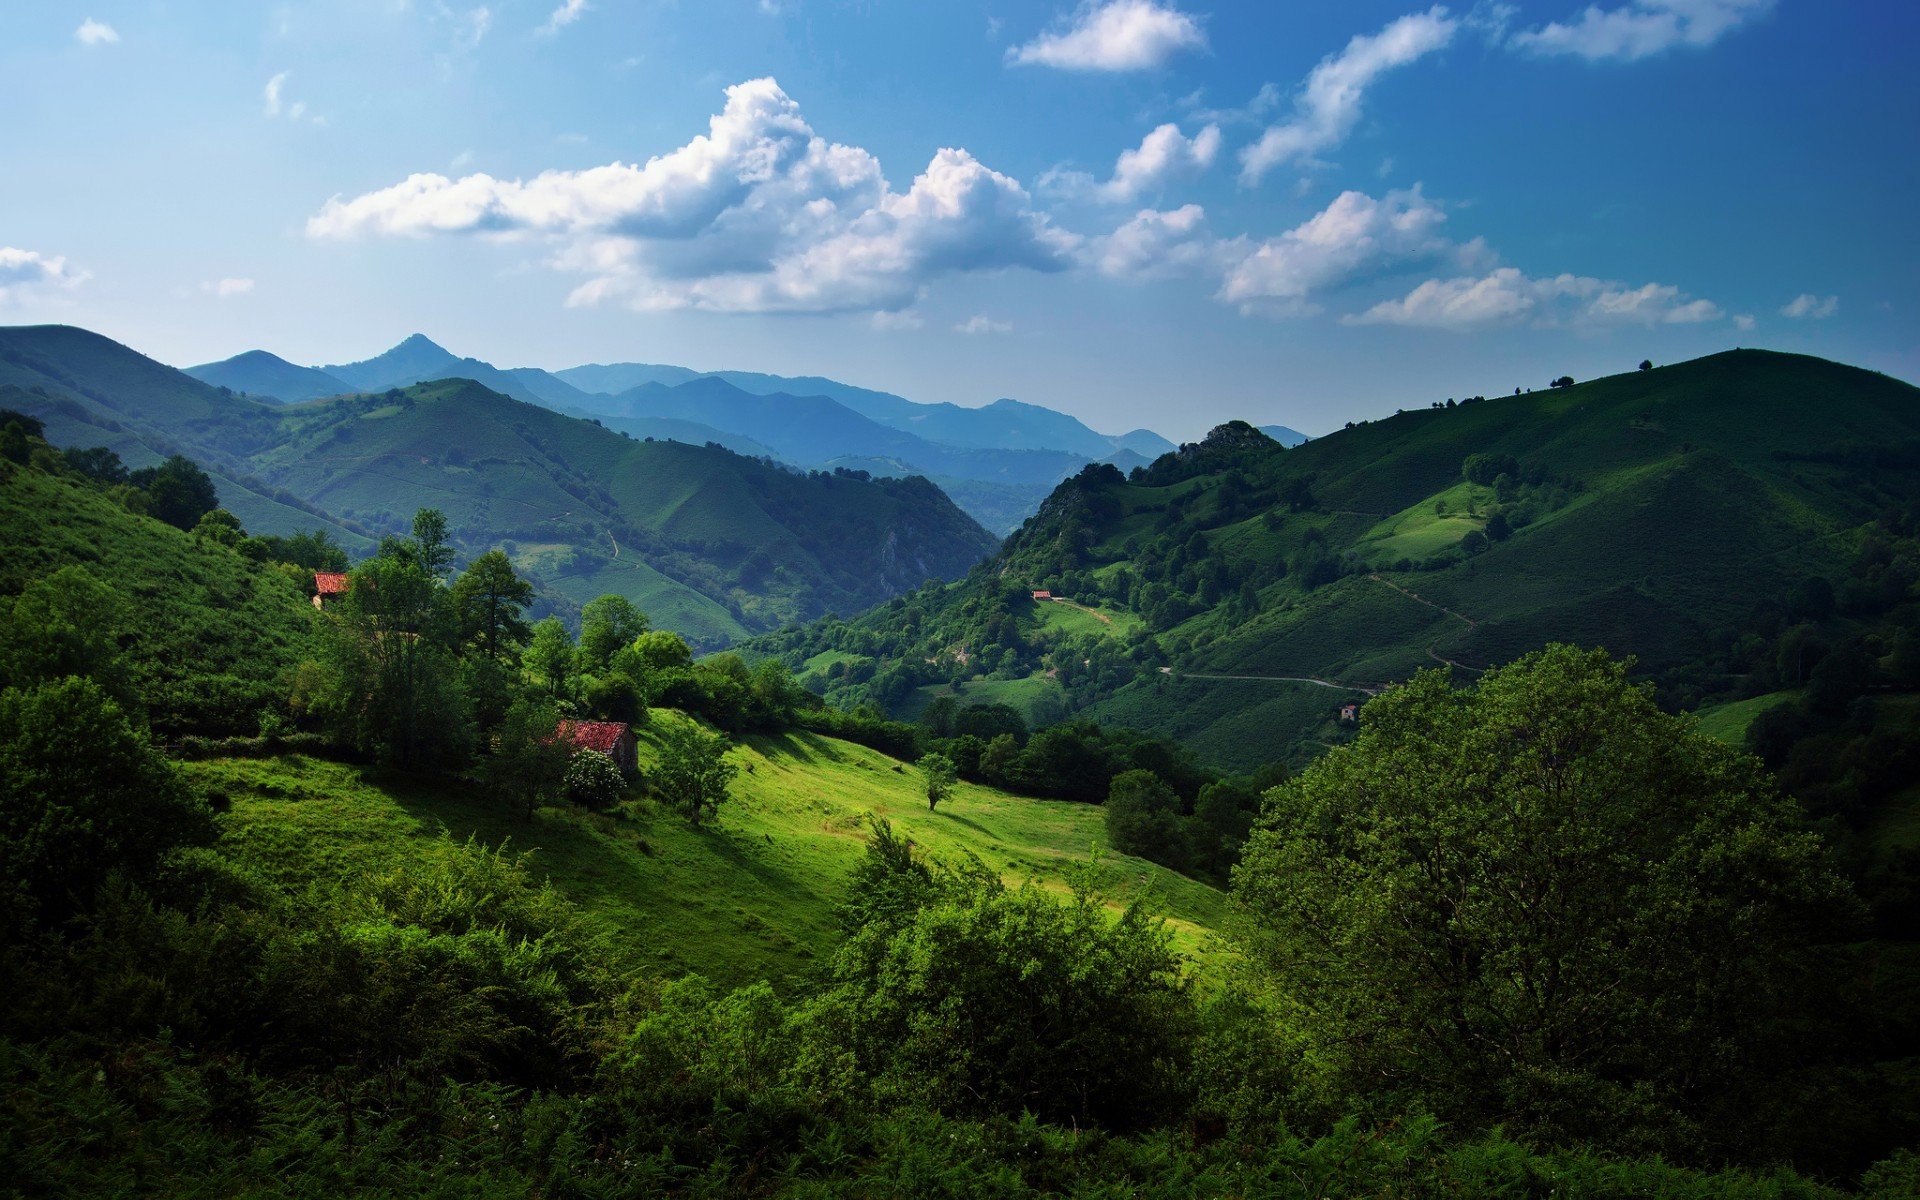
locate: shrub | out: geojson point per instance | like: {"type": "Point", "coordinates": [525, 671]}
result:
{"type": "Point", "coordinates": [594, 781]}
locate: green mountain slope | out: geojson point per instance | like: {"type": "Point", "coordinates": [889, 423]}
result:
{"type": "Point", "coordinates": [262, 375]}
{"type": "Point", "coordinates": [728, 541]}
{"type": "Point", "coordinates": [726, 544]}
{"type": "Point", "coordinates": [752, 897]}
{"type": "Point", "coordinates": [1647, 513]}
{"type": "Point", "coordinates": [206, 636]}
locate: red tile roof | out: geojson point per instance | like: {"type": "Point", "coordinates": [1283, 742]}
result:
{"type": "Point", "coordinates": [1043, 595]}
{"type": "Point", "coordinates": [593, 735]}
{"type": "Point", "coordinates": [329, 583]}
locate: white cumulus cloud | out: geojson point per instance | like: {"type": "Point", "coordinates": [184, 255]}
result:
{"type": "Point", "coordinates": [1641, 28]}
{"type": "Point", "coordinates": [980, 323]}
{"type": "Point", "coordinates": [28, 274]}
{"type": "Point", "coordinates": [568, 12]}
{"type": "Point", "coordinates": [224, 288]}
{"type": "Point", "coordinates": [1156, 244]}
{"type": "Point", "coordinates": [758, 214]}
{"type": "Point", "coordinates": [1329, 105]}
{"type": "Point", "coordinates": [1162, 155]}
{"type": "Point", "coordinates": [1355, 238]}
{"type": "Point", "coordinates": [96, 33]}
{"type": "Point", "coordinates": [1118, 35]}
{"type": "Point", "coordinates": [1809, 307]}
{"type": "Point", "coordinates": [1508, 296]}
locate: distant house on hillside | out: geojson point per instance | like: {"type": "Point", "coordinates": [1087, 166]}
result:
{"type": "Point", "coordinates": [612, 738]}
{"type": "Point", "coordinates": [1043, 595]}
{"type": "Point", "coordinates": [1350, 713]}
{"type": "Point", "coordinates": [330, 585]}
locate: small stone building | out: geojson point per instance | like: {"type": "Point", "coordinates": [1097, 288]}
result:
{"type": "Point", "coordinates": [612, 738]}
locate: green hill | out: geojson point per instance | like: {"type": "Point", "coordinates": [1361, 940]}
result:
{"type": "Point", "coordinates": [730, 543]}
{"type": "Point", "coordinates": [207, 637]}
{"type": "Point", "coordinates": [1649, 513]}
{"type": "Point", "coordinates": [268, 376]}
{"type": "Point", "coordinates": [718, 544]}
{"type": "Point", "coordinates": [751, 897]}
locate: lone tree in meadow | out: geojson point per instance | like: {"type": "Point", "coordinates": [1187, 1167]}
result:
{"type": "Point", "coordinates": [1546, 903]}
{"type": "Point", "coordinates": [693, 773]}
{"type": "Point", "coordinates": [941, 777]}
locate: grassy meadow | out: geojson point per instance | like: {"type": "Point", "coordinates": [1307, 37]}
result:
{"type": "Point", "coordinates": [750, 896]}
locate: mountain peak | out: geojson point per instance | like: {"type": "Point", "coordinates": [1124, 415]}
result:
{"type": "Point", "coordinates": [416, 342]}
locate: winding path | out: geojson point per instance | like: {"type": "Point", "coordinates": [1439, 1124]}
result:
{"type": "Point", "coordinates": [1365, 689]}
{"type": "Point", "coordinates": [1417, 598]}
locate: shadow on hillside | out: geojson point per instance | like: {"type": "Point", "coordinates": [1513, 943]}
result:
{"type": "Point", "coordinates": [782, 745]}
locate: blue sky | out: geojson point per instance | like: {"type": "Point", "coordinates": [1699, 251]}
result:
{"type": "Point", "coordinates": [1143, 212]}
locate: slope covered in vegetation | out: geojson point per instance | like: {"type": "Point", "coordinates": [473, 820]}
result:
{"type": "Point", "coordinates": [723, 545]}
{"type": "Point", "coordinates": [1670, 514]}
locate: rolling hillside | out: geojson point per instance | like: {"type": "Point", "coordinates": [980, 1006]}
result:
{"type": "Point", "coordinates": [1649, 513]}
{"type": "Point", "coordinates": [207, 637]}
{"type": "Point", "coordinates": [751, 897]}
{"type": "Point", "coordinates": [713, 543]}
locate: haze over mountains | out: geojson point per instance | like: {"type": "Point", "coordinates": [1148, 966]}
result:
{"type": "Point", "coordinates": [714, 543]}
{"type": "Point", "coordinates": [997, 462]}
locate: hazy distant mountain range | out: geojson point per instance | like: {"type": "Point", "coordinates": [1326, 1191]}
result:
{"type": "Point", "coordinates": [712, 543]}
{"type": "Point", "coordinates": [998, 461]}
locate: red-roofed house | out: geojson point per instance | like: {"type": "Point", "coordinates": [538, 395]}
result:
{"type": "Point", "coordinates": [611, 738]}
{"type": "Point", "coordinates": [1043, 595]}
{"type": "Point", "coordinates": [330, 585]}
{"type": "Point", "coordinates": [1350, 712]}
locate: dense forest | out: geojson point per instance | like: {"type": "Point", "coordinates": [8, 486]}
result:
{"type": "Point", "coordinates": [1524, 935]}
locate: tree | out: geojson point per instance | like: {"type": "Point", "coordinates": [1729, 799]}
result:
{"type": "Point", "coordinates": [82, 795]}
{"type": "Point", "coordinates": [385, 681]}
{"type": "Point", "coordinates": [963, 995]}
{"type": "Point", "coordinates": [488, 600]}
{"type": "Point", "coordinates": [607, 623]}
{"type": "Point", "coordinates": [1143, 818]}
{"type": "Point", "coordinates": [527, 764]}
{"type": "Point", "coordinates": [1548, 903]}
{"type": "Point", "coordinates": [693, 773]}
{"type": "Point", "coordinates": [1646, 364]}
{"type": "Point", "coordinates": [65, 624]}
{"type": "Point", "coordinates": [941, 777]}
{"type": "Point", "coordinates": [97, 463]}
{"type": "Point", "coordinates": [549, 656]}
{"type": "Point", "coordinates": [1565, 381]}
{"type": "Point", "coordinates": [1000, 760]}
{"type": "Point", "coordinates": [178, 491]}
{"type": "Point", "coordinates": [430, 543]}
{"type": "Point", "coordinates": [219, 525]}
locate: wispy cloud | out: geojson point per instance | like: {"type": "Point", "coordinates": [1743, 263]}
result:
{"type": "Point", "coordinates": [1809, 307]}
{"type": "Point", "coordinates": [1117, 35]}
{"type": "Point", "coordinates": [275, 103]}
{"type": "Point", "coordinates": [96, 33]}
{"type": "Point", "coordinates": [980, 323]}
{"type": "Point", "coordinates": [758, 214]}
{"type": "Point", "coordinates": [1507, 296]}
{"type": "Point", "coordinates": [1329, 105]}
{"type": "Point", "coordinates": [568, 12]}
{"type": "Point", "coordinates": [223, 288]}
{"type": "Point", "coordinates": [1641, 28]}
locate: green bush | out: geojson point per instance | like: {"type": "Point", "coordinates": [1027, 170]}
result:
{"type": "Point", "coordinates": [594, 781]}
